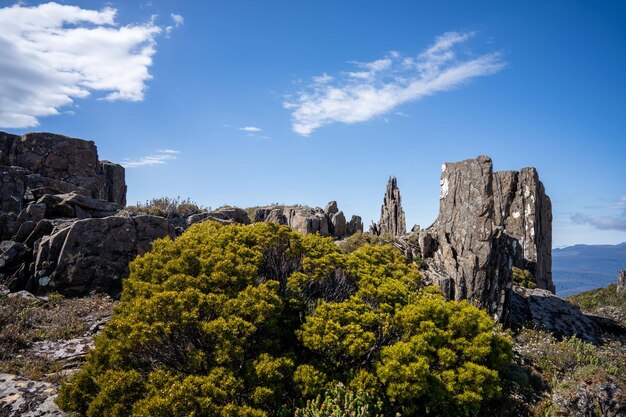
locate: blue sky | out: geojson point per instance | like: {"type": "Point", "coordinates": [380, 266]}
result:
{"type": "Point", "coordinates": [344, 94]}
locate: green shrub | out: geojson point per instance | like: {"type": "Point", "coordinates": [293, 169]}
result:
{"type": "Point", "coordinates": [257, 320]}
{"type": "Point", "coordinates": [524, 278]}
{"type": "Point", "coordinates": [358, 240]}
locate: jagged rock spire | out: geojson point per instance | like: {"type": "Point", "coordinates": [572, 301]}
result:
{"type": "Point", "coordinates": [392, 220]}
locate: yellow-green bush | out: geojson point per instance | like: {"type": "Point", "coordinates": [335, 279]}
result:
{"type": "Point", "coordinates": [257, 320]}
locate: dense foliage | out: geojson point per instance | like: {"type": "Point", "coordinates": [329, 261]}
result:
{"type": "Point", "coordinates": [257, 320]}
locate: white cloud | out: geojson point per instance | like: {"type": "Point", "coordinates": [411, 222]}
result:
{"type": "Point", "coordinates": [52, 54]}
{"type": "Point", "coordinates": [379, 86]}
{"type": "Point", "coordinates": [159, 157]}
{"type": "Point", "coordinates": [250, 129]}
{"type": "Point", "coordinates": [610, 222]}
{"type": "Point", "coordinates": [178, 21]}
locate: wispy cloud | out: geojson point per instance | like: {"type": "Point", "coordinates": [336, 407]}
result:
{"type": "Point", "coordinates": [615, 222]}
{"type": "Point", "coordinates": [178, 21]}
{"type": "Point", "coordinates": [52, 54]}
{"type": "Point", "coordinates": [377, 87]}
{"type": "Point", "coordinates": [251, 129]}
{"type": "Point", "coordinates": [159, 157]}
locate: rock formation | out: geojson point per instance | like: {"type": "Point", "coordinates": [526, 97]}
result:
{"type": "Point", "coordinates": [621, 282]}
{"type": "Point", "coordinates": [537, 307]}
{"type": "Point", "coordinates": [59, 228]}
{"type": "Point", "coordinates": [46, 163]}
{"type": "Point", "coordinates": [523, 209]}
{"type": "Point", "coordinates": [327, 222]}
{"type": "Point", "coordinates": [488, 222]}
{"type": "Point", "coordinates": [392, 221]}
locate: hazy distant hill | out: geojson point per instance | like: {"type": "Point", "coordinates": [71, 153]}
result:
{"type": "Point", "coordinates": [581, 268]}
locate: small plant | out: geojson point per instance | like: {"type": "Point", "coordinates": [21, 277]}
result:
{"type": "Point", "coordinates": [55, 298]}
{"type": "Point", "coordinates": [523, 278]}
{"type": "Point", "coordinates": [166, 207]}
{"type": "Point", "coordinates": [341, 401]}
{"type": "Point", "coordinates": [358, 240]}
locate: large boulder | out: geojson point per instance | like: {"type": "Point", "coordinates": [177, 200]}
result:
{"type": "Point", "coordinates": [539, 307]}
{"type": "Point", "coordinates": [338, 224]}
{"type": "Point", "coordinates": [93, 254]}
{"type": "Point", "coordinates": [355, 225]}
{"type": "Point", "coordinates": [307, 220]}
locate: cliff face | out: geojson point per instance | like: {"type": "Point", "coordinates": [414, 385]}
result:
{"type": "Point", "coordinates": [58, 225]}
{"type": "Point", "coordinates": [524, 211]}
{"type": "Point", "coordinates": [62, 164]}
{"type": "Point", "coordinates": [488, 222]}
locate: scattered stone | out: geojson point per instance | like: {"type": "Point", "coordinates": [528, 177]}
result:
{"type": "Point", "coordinates": [63, 350]}
{"type": "Point", "coordinates": [20, 397]}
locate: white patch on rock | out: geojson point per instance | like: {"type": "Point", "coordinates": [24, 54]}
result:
{"type": "Point", "coordinates": [443, 167]}
{"type": "Point", "coordinates": [526, 191]}
{"type": "Point", "coordinates": [444, 187]}
{"type": "Point", "coordinates": [516, 215]}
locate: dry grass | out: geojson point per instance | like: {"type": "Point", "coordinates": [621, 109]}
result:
{"type": "Point", "coordinates": [24, 321]}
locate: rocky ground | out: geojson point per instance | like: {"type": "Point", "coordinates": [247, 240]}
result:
{"type": "Point", "coordinates": [43, 340]}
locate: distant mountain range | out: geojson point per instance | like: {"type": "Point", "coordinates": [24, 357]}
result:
{"type": "Point", "coordinates": [581, 268]}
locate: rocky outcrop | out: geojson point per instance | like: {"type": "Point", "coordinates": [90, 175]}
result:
{"type": "Point", "coordinates": [392, 220]}
{"type": "Point", "coordinates": [327, 222]}
{"type": "Point", "coordinates": [93, 254]}
{"type": "Point", "coordinates": [59, 163]}
{"type": "Point", "coordinates": [467, 253]}
{"type": "Point", "coordinates": [523, 209]}
{"type": "Point", "coordinates": [223, 215]}
{"type": "Point", "coordinates": [538, 307]}
{"type": "Point", "coordinates": [59, 223]}
{"type": "Point", "coordinates": [488, 222]}
{"type": "Point", "coordinates": [621, 282]}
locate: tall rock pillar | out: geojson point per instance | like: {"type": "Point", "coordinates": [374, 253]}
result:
{"type": "Point", "coordinates": [524, 211]}
{"type": "Point", "coordinates": [392, 220]}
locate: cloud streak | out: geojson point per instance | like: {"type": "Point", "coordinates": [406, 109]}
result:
{"type": "Point", "coordinates": [250, 129]}
{"type": "Point", "coordinates": [52, 54]}
{"type": "Point", "coordinates": [377, 87]}
{"type": "Point", "coordinates": [159, 157]}
{"type": "Point", "coordinates": [617, 222]}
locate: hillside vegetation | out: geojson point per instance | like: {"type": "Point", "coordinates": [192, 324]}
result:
{"type": "Point", "coordinates": [262, 321]}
